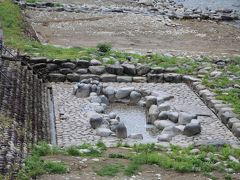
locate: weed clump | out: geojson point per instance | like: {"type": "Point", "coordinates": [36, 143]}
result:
{"type": "Point", "coordinates": [104, 47]}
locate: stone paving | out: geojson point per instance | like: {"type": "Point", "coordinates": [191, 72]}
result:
{"type": "Point", "coordinates": [73, 128]}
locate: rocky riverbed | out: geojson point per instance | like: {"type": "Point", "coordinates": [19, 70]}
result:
{"type": "Point", "coordinates": [161, 26]}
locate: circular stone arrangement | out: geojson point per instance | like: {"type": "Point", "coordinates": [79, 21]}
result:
{"type": "Point", "coordinates": [158, 111]}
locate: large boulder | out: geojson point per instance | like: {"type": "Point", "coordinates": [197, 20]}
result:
{"type": "Point", "coordinates": [135, 97]}
{"type": "Point", "coordinates": [152, 114]}
{"type": "Point", "coordinates": [184, 118]}
{"type": "Point", "coordinates": [96, 69]}
{"type": "Point", "coordinates": [171, 130]}
{"type": "Point", "coordinates": [83, 90]}
{"type": "Point", "coordinates": [164, 138]}
{"type": "Point", "coordinates": [161, 124]}
{"type": "Point", "coordinates": [173, 116]}
{"type": "Point", "coordinates": [129, 69]}
{"type": "Point", "coordinates": [164, 107]}
{"type": "Point", "coordinates": [150, 100]}
{"type": "Point", "coordinates": [163, 115]}
{"type": "Point", "coordinates": [121, 131]}
{"type": "Point", "coordinates": [192, 129]}
{"type": "Point", "coordinates": [103, 132]}
{"type": "Point", "coordinates": [109, 92]}
{"type": "Point", "coordinates": [74, 77]}
{"type": "Point", "coordinates": [123, 92]}
{"type": "Point", "coordinates": [115, 69]}
{"type": "Point", "coordinates": [95, 120]}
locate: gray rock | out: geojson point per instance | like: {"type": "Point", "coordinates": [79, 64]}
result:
{"type": "Point", "coordinates": [232, 121]}
{"type": "Point", "coordinates": [121, 131]}
{"type": "Point", "coordinates": [139, 79]}
{"type": "Point", "coordinates": [52, 67]}
{"type": "Point", "coordinates": [236, 129]}
{"type": "Point", "coordinates": [96, 69]}
{"type": "Point", "coordinates": [195, 151]}
{"type": "Point", "coordinates": [109, 92]}
{"type": "Point", "coordinates": [161, 124]}
{"type": "Point", "coordinates": [135, 136]}
{"type": "Point", "coordinates": [103, 132]}
{"type": "Point", "coordinates": [66, 71]}
{"type": "Point", "coordinates": [150, 100]}
{"type": "Point", "coordinates": [225, 116]}
{"type": "Point", "coordinates": [114, 122]}
{"type": "Point", "coordinates": [124, 92]}
{"type": "Point", "coordinates": [164, 138]}
{"type": "Point", "coordinates": [164, 107]}
{"type": "Point", "coordinates": [163, 115]}
{"type": "Point", "coordinates": [69, 65]}
{"type": "Point", "coordinates": [104, 100]}
{"type": "Point", "coordinates": [73, 77]}
{"type": "Point", "coordinates": [56, 77]}
{"type": "Point", "coordinates": [135, 97]}
{"type": "Point", "coordinates": [124, 78]}
{"type": "Point", "coordinates": [83, 63]}
{"type": "Point", "coordinates": [129, 69]}
{"type": "Point", "coordinates": [89, 76]}
{"type": "Point", "coordinates": [95, 120]}
{"type": "Point", "coordinates": [95, 99]}
{"type": "Point", "coordinates": [142, 69]}
{"type": "Point", "coordinates": [180, 127]}
{"type": "Point", "coordinates": [83, 90]}
{"type": "Point", "coordinates": [115, 69]}
{"type": "Point", "coordinates": [173, 116]}
{"type": "Point", "coordinates": [192, 129]}
{"type": "Point", "coordinates": [184, 118]}
{"type": "Point", "coordinates": [152, 114]}
{"type": "Point", "coordinates": [156, 78]}
{"type": "Point", "coordinates": [82, 71]}
{"type": "Point", "coordinates": [108, 77]}
{"type": "Point", "coordinates": [95, 62]}
{"type": "Point", "coordinates": [232, 158]}
{"type": "Point", "coordinates": [171, 130]}
{"type": "Point", "coordinates": [112, 115]}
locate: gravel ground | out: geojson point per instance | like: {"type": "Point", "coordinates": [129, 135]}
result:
{"type": "Point", "coordinates": [73, 127]}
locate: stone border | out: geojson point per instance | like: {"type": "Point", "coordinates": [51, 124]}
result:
{"type": "Point", "coordinates": [74, 71]}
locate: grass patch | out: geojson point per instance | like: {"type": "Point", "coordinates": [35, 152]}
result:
{"type": "Point", "coordinates": [110, 170]}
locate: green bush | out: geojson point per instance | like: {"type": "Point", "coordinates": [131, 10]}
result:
{"type": "Point", "coordinates": [104, 47]}
{"type": "Point", "coordinates": [110, 170]}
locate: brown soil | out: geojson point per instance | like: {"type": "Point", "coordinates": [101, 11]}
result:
{"type": "Point", "coordinates": [87, 171]}
{"type": "Point", "coordinates": [136, 32]}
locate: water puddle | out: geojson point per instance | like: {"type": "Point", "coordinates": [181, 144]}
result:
{"type": "Point", "coordinates": [134, 118]}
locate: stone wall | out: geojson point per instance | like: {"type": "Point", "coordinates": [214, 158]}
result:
{"type": "Point", "coordinates": [24, 113]}
{"type": "Point", "coordinates": [74, 71]}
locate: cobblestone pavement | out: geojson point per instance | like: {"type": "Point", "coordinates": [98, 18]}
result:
{"type": "Point", "coordinates": [73, 128]}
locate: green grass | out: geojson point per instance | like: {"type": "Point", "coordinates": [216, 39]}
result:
{"type": "Point", "coordinates": [33, 1]}
{"type": "Point", "coordinates": [110, 170]}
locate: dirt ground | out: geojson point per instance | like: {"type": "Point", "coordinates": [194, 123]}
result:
{"type": "Point", "coordinates": [135, 32]}
{"type": "Point", "coordinates": [87, 170]}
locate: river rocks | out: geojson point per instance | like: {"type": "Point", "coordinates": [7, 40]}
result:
{"type": "Point", "coordinates": [192, 129]}
{"type": "Point", "coordinates": [135, 97]}
{"type": "Point", "coordinates": [152, 114]}
{"type": "Point", "coordinates": [97, 69]}
{"type": "Point", "coordinates": [103, 132]}
{"type": "Point", "coordinates": [95, 62]}
{"type": "Point", "coordinates": [123, 92]}
{"type": "Point", "coordinates": [161, 124]}
{"type": "Point", "coordinates": [95, 120]}
{"type": "Point", "coordinates": [164, 107]}
{"type": "Point", "coordinates": [82, 71]}
{"type": "Point", "coordinates": [124, 79]}
{"type": "Point", "coordinates": [163, 115]}
{"type": "Point", "coordinates": [83, 64]}
{"type": "Point", "coordinates": [121, 131]}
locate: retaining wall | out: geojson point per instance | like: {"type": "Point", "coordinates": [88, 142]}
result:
{"type": "Point", "coordinates": [24, 111]}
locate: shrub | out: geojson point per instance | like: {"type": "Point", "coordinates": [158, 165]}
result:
{"type": "Point", "coordinates": [104, 47]}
